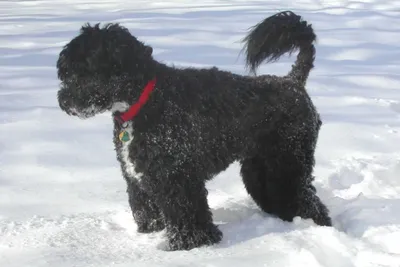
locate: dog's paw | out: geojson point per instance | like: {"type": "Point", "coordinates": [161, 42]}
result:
{"type": "Point", "coordinates": [189, 239]}
{"type": "Point", "coordinates": [150, 227]}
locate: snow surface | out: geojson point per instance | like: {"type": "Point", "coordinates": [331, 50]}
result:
{"type": "Point", "coordinates": [63, 199]}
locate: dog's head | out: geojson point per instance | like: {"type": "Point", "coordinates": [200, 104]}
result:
{"type": "Point", "coordinates": [92, 64]}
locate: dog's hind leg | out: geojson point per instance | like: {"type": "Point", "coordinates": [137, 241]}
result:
{"type": "Point", "coordinates": [147, 215]}
{"type": "Point", "coordinates": [278, 177]}
{"type": "Point", "coordinates": [182, 197]}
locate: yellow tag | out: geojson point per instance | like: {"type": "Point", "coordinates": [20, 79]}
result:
{"type": "Point", "coordinates": [124, 136]}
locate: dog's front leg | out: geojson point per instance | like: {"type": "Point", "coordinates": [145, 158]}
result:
{"type": "Point", "coordinates": [182, 197]}
{"type": "Point", "coordinates": [144, 210]}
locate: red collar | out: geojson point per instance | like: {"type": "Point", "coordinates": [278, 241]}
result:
{"type": "Point", "coordinates": [122, 118]}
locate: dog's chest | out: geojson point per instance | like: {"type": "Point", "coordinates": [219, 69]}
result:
{"type": "Point", "coordinates": [124, 148]}
{"type": "Point", "coordinates": [125, 152]}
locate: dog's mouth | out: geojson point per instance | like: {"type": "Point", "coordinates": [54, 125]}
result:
{"type": "Point", "coordinates": [82, 113]}
{"type": "Point", "coordinates": [72, 113]}
{"type": "Point", "coordinates": [82, 103]}
{"type": "Point", "coordinates": [85, 113]}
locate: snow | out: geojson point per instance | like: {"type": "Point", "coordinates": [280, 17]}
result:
{"type": "Point", "coordinates": [62, 196]}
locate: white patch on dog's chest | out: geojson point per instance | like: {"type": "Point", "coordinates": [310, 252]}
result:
{"type": "Point", "coordinates": [128, 165]}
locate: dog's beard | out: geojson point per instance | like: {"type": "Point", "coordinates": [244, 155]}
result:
{"type": "Point", "coordinates": [85, 113]}
{"type": "Point", "coordinates": [83, 103]}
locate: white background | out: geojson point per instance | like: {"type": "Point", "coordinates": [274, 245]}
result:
{"type": "Point", "coordinates": [63, 199]}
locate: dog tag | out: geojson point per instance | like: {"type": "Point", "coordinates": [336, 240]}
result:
{"type": "Point", "coordinates": [124, 136]}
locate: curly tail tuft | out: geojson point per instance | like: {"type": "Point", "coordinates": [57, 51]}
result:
{"type": "Point", "coordinates": [281, 33]}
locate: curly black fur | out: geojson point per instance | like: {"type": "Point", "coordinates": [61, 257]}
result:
{"type": "Point", "coordinates": [197, 122]}
{"type": "Point", "coordinates": [279, 34]}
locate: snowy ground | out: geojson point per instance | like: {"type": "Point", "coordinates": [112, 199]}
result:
{"type": "Point", "coordinates": [63, 200]}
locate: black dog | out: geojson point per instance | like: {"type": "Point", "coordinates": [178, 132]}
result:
{"type": "Point", "coordinates": [196, 122]}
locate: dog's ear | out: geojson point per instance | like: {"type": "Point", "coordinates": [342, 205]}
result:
{"type": "Point", "coordinates": [148, 50]}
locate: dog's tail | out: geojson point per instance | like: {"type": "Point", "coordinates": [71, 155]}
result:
{"type": "Point", "coordinates": [282, 33]}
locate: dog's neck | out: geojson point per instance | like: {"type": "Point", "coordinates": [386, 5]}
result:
{"type": "Point", "coordinates": [134, 109]}
{"type": "Point", "coordinates": [129, 93]}
{"type": "Point", "coordinates": [128, 87]}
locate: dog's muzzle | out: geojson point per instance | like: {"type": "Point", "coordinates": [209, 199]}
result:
{"type": "Point", "coordinates": [66, 103]}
